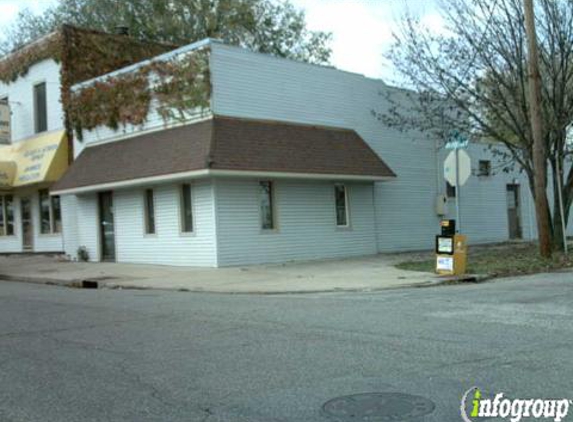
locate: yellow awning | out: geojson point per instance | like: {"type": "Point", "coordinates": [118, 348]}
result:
{"type": "Point", "coordinates": [41, 159]}
{"type": "Point", "coordinates": [7, 173]}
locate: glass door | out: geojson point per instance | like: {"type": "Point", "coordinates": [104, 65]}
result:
{"type": "Point", "coordinates": [107, 230]}
{"type": "Point", "coordinates": [27, 224]}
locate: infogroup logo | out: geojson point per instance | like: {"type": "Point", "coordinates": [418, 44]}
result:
{"type": "Point", "coordinates": [512, 409]}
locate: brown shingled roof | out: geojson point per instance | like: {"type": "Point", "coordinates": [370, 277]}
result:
{"type": "Point", "coordinates": [223, 143]}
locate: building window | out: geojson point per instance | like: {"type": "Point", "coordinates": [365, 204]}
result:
{"type": "Point", "coordinates": [149, 212]}
{"type": "Point", "coordinates": [5, 117]}
{"type": "Point", "coordinates": [6, 215]}
{"type": "Point", "coordinates": [40, 108]}
{"type": "Point", "coordinates": [450, 190]}
{"type": "Point", "coordinates": [45, 225]}
{"type": "Point", "coordinates": [266, 189]}
{"type": "Point", "coordinates": [186, 209]}
{"type": "Point", "coordinates": [341, 205]}
{"type": "Point", "coordinates": [484, 168]}
{"type": "Point", "coordinates": [50, 213]}
{"type": "Point", "coordinates": [56, 214]}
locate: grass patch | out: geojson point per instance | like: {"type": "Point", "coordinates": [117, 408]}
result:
{"type": "Point", "coordinates": [500, 260]}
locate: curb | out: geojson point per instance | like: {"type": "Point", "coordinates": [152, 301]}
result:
{"type": "Point", "coordinates": [94, 283]}
{"type": "Point", "coordinates": [41, 280]}
{"type": "Point", "coordinates": [468, 278]}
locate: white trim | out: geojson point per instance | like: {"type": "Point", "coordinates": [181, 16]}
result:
{"type": "Point", "coordinates": [134, 182]}
{"type": "Point", "coordinates": [289, 175]}
{"type": "Point", "coordinates": [195, 174]}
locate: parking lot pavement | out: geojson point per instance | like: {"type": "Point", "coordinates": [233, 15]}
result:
{"type": "Point", "coordinates": [104, 355]}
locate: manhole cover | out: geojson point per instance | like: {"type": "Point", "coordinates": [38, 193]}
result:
{"type": "Point", "coordinates": [377, 407]}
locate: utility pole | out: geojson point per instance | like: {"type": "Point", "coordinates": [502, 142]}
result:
{"type": "Point", "coordinates": [539, 157]}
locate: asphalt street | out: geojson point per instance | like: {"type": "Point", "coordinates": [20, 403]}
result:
{"type": "Point", "coordinates": [129, 355]}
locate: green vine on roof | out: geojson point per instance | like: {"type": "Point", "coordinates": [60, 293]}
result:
{"type": "Point", "coordinates": [16, 65]}
{"type": "Point", "coordinates": [178, 85]}
{"type": "Point", "coordinates": [83, 54]}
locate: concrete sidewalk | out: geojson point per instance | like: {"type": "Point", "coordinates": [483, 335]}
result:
{"type": "Point", "coordinates": [356, 274]}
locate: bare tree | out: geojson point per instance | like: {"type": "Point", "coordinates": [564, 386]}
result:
{"type": "Point", "coordinates": [473, 78]}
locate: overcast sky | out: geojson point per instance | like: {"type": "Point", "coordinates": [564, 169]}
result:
{"type": "Point", "coordinates": [362, 29]}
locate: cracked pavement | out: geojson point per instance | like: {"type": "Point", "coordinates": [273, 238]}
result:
{"type": "Point", "coordinates": [108, 355]}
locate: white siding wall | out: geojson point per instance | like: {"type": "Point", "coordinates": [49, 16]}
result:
{"type": "Point", "coordinates": [70, 225]}
{"type": "Point", "coordinates": [251, 85]}
{"type": "Point", "coordinates": [483, 200]}
{"type": "Point", "coordinates": [87, 226]}
{"type": "Point", "coordinates": [21, 98]}
{"type": "Point", "coordinates": [168, 246]}
{"type": "Point", "coordinates": [305, 218]}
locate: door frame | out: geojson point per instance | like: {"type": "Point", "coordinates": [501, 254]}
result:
{"type": "Point", "coordinates": [102, 257]}
{"type": "Point", "coordinates": [30, 247]}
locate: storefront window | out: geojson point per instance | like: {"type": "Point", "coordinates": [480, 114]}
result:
{"type": "Point", "coordinates": [9, 214]}
{"type": "Point", "coordinates": [50, 213]}
{"type": "Point", "coordinates": [6, 215]}
{"type": "Point", "coordinates": [56, 215]}
{"type": "Point", "coordinates": [45, 224]}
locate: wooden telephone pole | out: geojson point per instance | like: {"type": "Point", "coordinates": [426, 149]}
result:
{"type": "Point", "coordinates": [539, 156]}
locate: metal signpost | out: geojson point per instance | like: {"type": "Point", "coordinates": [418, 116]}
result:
{"type": "Point", "coordinates": [457, 168]}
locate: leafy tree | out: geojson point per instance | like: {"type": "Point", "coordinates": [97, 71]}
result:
{"type": "Point", "coordinates": [266, 26]}
{"type": "Point", "coordinates": [473, 78]}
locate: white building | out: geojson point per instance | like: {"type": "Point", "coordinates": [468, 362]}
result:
{"type": "Point", "coordinates": [275, 169]}
{"type": "Point", "coordinates": [34, 147]}
{"type": "Point", "coordinates": [34, 157]}
{"type": "Point", "coordinates": [284, 162]}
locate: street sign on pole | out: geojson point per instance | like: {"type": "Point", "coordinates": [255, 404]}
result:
{"type": "Point", "coordinates": [455, 176]}
{"type": "Point", "coordinates": [457, 141]}
{"type": "Point", "coordinates": [457, 170]}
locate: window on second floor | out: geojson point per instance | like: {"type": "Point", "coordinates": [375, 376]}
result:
{"type": "Point", "coordinates": [4, 120]}
{"type": "Point", "coordinates": [484, 168]}
{"type": "Point", "coordinates": [40, 108]}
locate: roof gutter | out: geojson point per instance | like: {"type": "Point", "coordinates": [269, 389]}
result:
{"type": "Point", "coordinates": [196, 174]}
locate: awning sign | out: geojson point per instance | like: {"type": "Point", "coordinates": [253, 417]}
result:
{"type": "Point", "coordinates": [7, 173]}
{"type": "Point", "coordinates": [37, 160]}
{"type": "Point", "coordinates": [4, 122]}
